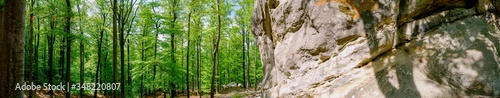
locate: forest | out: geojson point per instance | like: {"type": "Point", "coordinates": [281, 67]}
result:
{"type": "Point", "coordinates": [144, 48]}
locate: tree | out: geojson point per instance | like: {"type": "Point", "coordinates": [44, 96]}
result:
{"type": "Point", "coordinates": [12, 50]}
{"type": "Point", "coordinates": [243, 51]}
{"type": "Point", "coordinates": [173, 14]}
{"type": "Point", "coordinates": [67, 29]}
{"type": "Point", "coordinates": [216, 48]}
{"type": "Point", "coordinates": [187, 54]}
{"type": "Point", "coordinates": [82, 51]}
{"type": "Point", "coordinates": [157, 32]}
{"type": "Point", "coordinates": [51, 40]}
{"type": "Point", "coordinates": [198, 64]}
{"type": "Point", "coordinates": [123, 19]}
{"type": "Point", "coordinates": [147, 40]}
{"type": "Point", "coordinates": [30, 47]}
{"type": "Point", "coordinates": [247, 46]}
{"type": "Point", "coordinates": [114, 45]}
{"type": "Point", "coordinates": [99, 52]}
{"type": "Point", "coordinates": [36, 50]}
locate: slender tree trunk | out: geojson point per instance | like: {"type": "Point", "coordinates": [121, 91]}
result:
{"type": "Point", "coordinates": [99, 53]}
{"type": "Point", "coordinates": [143, 58]}
{"type": "Point", "coordinates": [128, 63]}
{"type": "Point", "coordinates": [68, 47]}
{"type": "Point", "coordinates": [216, 49]}
{"type": "Point", "coordinates": [115, 42]}
{"type": "Point", "coordinates": [30, 49]}
{"type": "Point", "coordinates": [104, 68]}
{"type": "Point", "coordinates": [82, 51]}
{"type": "Point", "coordinates": [247, 59]}
{"type": "Point", "coordinates": [12, 50]}
{"type": "Point", "coordinates": [121, 24]}
{"type": "Point", "coordinates": [217, 75]}
{"type": "Point", "coordinates": [187, 55]}
{"type": "Point", "coordinates": [172, 38]}
{"type": "Point", "coordinates": [36, 50]}
{"type": "Point", "coordinates": [132, 3]}
{"type": "Point", "coordinates": [157, 31]}
{"type": "Point", "coordinates": [123, 18]}
{"type": "Point", "coordinates": [198, 64]}
{"type": "Point", "coordinates": [243, 58]}
{"type": "Point", "coordinates": [51, 40]}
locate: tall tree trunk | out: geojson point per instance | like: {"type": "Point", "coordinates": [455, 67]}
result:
{"type": "Point", "coordinates": [36, 50]}
{"type": "Point", "coordinates": [198, 64]}
{"type": "Point", "coordinates": [30, 49]}
{"type": "Point", "coordinates": [217, 75]}
{"type": "Point", "coordinates": [12, 50]}
{"type": "Point", "coordinates": [172, 39]}
{"type": "Point", "coordinates": [128, 63]}
{"type": "Point", "coordinates": [99, 53]}
{"type": "Point", "coordinates": [143, 58]}
{"type": "Point", "coordinates": [187, 54]}
{"type": "Point", "coordinates": [244, 57]}
{"type": "Point", "coordinates": [216, 49]}
{"type": "Point", "coordinates": [247, 59]}
{"type": "Point", "coordinates": [104, 67]}
{"type": "Point", "coordinates": [121, 25]}
{"type": "Point", "coordinates": [82, 51]}
{"type": "Point", "coordinates": [131, 21]}
{"type": "Point", "coordinates": [157, 32]}
{"type": "Point", "coordinates": [115, 42]}
{"type": "Point", "coordinates": [51, 40]}
{"type": "Point", "coordinates": [68, 47]}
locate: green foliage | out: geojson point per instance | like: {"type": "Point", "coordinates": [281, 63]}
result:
{"type": "Point", "coordinates": [140, 46]}
{"type": "Point", "coordinates": [238, 95]}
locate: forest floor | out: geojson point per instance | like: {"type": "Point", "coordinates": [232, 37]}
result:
{"type": "Point", "coordinates": [232, 92]}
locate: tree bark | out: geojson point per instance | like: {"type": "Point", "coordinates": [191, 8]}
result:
{"type": "Point", "coordinates": [51, 40]}
{"type": "Point", "coordinates": [143, 58]}
{"type": "Point", "coordinates": [115, 42]}
{"type": "Point", "coordinates": [216, 49]}
{"type": "Point", "coordinates": [247, 59]}
{"type": "Point", "coordinates": [12, 50]}
{"type": "Point", "coordinates": [30, 48]}
{"type": "Point", "coordinates": [243, 49]}
{"type": "Point", "coordinates": [36, 50]}
{"type": "Point", "coordinates": [187, 54]}
{"type": "Point", "coordinates": [99, 53]}
{"type": "Point", "coordinates": [172, 39]}
{"type": "Point", "coordinates": [82, 51]}
{"type": "Point", "coordinates": [68, 47]}
{"type": "Point", "coordinates": [157, 32]}
{"type": "Point", "coordinates": [198, 64]}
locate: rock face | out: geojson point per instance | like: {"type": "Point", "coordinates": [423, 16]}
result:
{"type": "Point", "coordinates": [378, 48]}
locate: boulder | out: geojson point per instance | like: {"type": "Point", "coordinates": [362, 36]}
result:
{"type": "Point", "coordinates": [378, 48]}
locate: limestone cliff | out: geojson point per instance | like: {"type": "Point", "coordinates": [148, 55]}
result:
{"type": "Point", "coordinates": [378, 48]}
